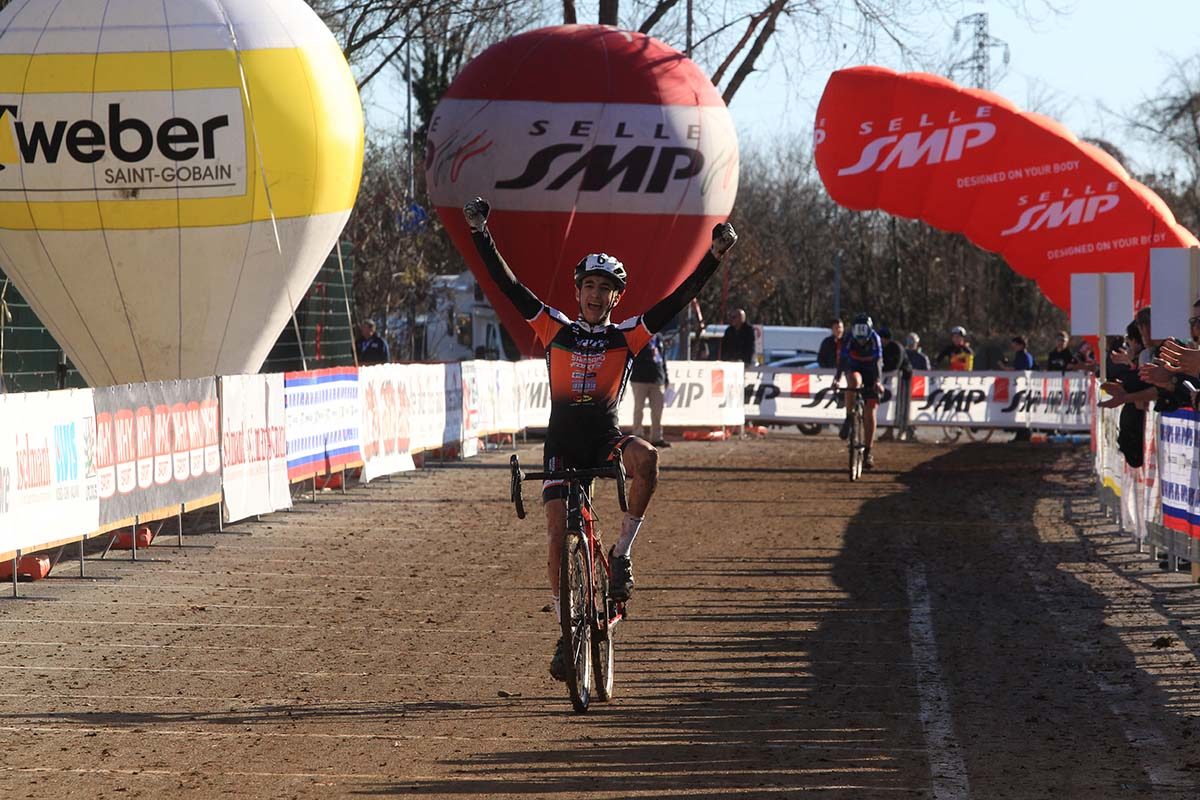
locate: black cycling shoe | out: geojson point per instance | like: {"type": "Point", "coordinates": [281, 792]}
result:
{"type": "Point", "coordinates": [560, 666]}
{"type": "Point", "coordinates": [622, 578]}
{"type": "Point", "coordinates": [844, 433]}
{"type": "Point", "coordinates": [868, 460]}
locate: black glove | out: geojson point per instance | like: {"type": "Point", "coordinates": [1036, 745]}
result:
{"type": "Point", "coordinates": [724, 237]}
{"type": "Point", "coordinates": [476, 213]}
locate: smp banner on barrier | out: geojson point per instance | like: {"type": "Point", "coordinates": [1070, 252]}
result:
{"type": "Point", "coordinates": [47, 474]}
{"type": "Point", "coordinates": [386, 438]}
{"type": "Point", "coordinates": [700, 393]}
{"type": "Point", "coordinates": [1179, 471]}
{"type": "Point", "coordinates": [1002, 400]}
{"type": "Point", "coordinates": [323, 420]}
{"type": "Point", "coordinates": [254, 475]}
{"type": "Point", "coordinates": [157, 446]}
{"type": "Point", "coordinates": [806, 396]}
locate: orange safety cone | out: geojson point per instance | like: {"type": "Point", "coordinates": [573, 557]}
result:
{"type": "Point", "coordinates": [717, 435]}
{"type": "Point", "coordinates": [29, 568]}
{"type": "Point", "coordinates": [125, 541]}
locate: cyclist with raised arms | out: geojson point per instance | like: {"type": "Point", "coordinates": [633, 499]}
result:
{"type": "Point", "coordinates": [589, 359]}
{"type": "Point", "coordinates": [861, 361]}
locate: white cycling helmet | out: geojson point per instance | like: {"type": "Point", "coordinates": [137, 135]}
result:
{"type": "Point", "coordinates": [601, 264]}
{"type": "Point", "coordinates": [959, 330]}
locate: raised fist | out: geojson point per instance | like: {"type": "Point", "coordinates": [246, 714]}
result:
{"type": "Point", "coordinates": [724, 237]}
{"type": "Point", "coordinates": [476, 213]}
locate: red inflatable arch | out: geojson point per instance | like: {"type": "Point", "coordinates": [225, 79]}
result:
{"type": "Point", "coordinates": [1013, 182]}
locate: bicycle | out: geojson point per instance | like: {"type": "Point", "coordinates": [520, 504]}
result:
{"type": "Point", "coordinates": [856, 444]}
{"type": "Point", "coordinates": [588, 613]}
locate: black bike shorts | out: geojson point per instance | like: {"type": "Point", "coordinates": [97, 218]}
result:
{"type": "Point", "coordinates": [869, 374]}
{"type": "Point", "coordinates": [579, 452]}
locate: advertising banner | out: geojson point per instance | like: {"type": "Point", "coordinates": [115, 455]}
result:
{"type": "Point", "coordinates": [700, 393]}
{"type": "Point", "coordinates": [805, 396]}
{"type": "Point", "coordinates": [1179, 471]}
{"type": "Point", "coordinates": [386, 438]}
{"type": "Point", "coordinates": [324, 418]}
{"type": "Point", "coordinates": [1151, 488]}
{"type": "Point", "coordinates": [254, 473]}
{"type": "Point", "coordinates": [491, 398]}
{"type": "Point", "coordinates": [424, 387]}
{"type": "Point", "coordinates": [157, 446]}
{"type": "Point", "coordinates": [1048, 400]}
{"type": "Point", "coordinates": [533, 389]}
{"type": "Point", "coordinates": [47, 472]}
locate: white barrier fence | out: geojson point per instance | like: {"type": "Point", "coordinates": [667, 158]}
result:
{"type": "Point", "coordinates": [1158, 503]}
{"type": "Point", "coordinates": [81, 462]}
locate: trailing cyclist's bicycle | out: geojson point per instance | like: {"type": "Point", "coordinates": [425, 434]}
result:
{"type": "Point", "coordinates": [588, 614]}
{"type": "Point", "coordinates": [856, 442]}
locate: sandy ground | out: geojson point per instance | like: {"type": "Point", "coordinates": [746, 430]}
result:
{"type": "Point", "coordinates": [962, 623]}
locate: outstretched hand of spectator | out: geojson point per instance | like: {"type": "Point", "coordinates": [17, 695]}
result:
{"type": "Point", "coordinates": [1122, 358]}
{"type": "Point", "coordinates": [1156, 375]}
{"type": "Point", "coordinates": [1116, 394]}
{"type": "Point", "coordinates": [1180, 358]}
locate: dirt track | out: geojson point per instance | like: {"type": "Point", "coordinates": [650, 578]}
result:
{"type": "Point", "coordinates": [961, 623]}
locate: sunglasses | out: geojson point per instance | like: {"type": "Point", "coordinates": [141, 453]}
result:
{"type": "Point", "coordinates": [1193, 320]}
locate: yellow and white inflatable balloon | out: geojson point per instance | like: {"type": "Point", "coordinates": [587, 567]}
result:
{"type": "Point", "coordinates": [172, 175]}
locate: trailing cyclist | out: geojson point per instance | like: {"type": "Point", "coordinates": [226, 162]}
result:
{"type": "Point", "coordinates": [861, 361]}
{"type": "Point", "coordinates": [589, 360]}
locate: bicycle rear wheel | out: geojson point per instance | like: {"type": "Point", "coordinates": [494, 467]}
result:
{"type": "Point", "coordinates": [602, 635]}
{"type": "Point", "coordinates": [576, 628]}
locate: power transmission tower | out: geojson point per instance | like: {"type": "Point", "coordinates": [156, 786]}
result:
{"type": "Point", "coordinates": [978, 63]}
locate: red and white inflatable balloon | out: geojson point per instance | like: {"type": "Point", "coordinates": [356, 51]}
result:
{"type": "Point", "coordinates": [584, 138]}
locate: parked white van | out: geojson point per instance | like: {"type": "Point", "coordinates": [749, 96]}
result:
{"type": "Point", "coordinates": [772, 342]}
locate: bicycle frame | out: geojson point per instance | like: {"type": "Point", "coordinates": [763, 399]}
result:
{"type": "Point", "coordinates": [581, 516]}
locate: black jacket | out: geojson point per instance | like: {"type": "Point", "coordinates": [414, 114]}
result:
{"type": "Point", "coordinates": [650, 364]}
{"type": "Point", "coordinates": [737, 344]}
{"type": "Point", "coordinates": [827, 354]}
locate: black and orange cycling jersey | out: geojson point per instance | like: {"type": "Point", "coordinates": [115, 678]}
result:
{"type": "Point", "coordinates": [588, 365]}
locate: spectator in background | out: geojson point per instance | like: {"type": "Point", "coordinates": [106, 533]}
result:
{"type": "Point", "coordinates": [959, 352]}
{"type": "Point", "coordinates": [372, 349]}
{"type": "Point", "coordinates": [895, 360]}
{"type": "Point", "coordinates": [912, 349]}
{"type": "Point", "coordinates": [1059, 359]}
{"type": "Point", "coordinates": [648, 377]}
{"type": "Point", "coordinates": [1022, 359]}
{"type": "Point", "coordinates": [738, 342]}
{"type": "Point", "coordinates": [831, 345]}
{"type": "Point", "coordinates": [1084, 359]}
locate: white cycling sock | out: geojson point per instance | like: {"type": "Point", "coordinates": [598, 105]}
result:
{"type": "Point", "coordinates": [629, 531]}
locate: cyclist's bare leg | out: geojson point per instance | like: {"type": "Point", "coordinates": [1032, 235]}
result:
{"type": "Point", "coordinates": [556, 527]}
{"type": "Point", "coordinates": [641, 466]}
{"type": "Point", "coordinates": [869, 407]}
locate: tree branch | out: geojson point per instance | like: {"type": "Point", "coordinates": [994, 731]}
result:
{"type": "Point", "coordinates": [747, 65]}
{"type": "Point", "coordinates": [657, 14]}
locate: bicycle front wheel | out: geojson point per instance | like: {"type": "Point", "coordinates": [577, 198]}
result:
{"type": "Point", "coordinates": [857, 444]}
{"type": "Point", "coordinates": [576, 628]}
{"type": "Point", "coordinates": [602, 636]}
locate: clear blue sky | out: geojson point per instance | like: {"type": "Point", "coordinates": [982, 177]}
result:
{"type": "Point", "coordinates": [1098, 55]}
